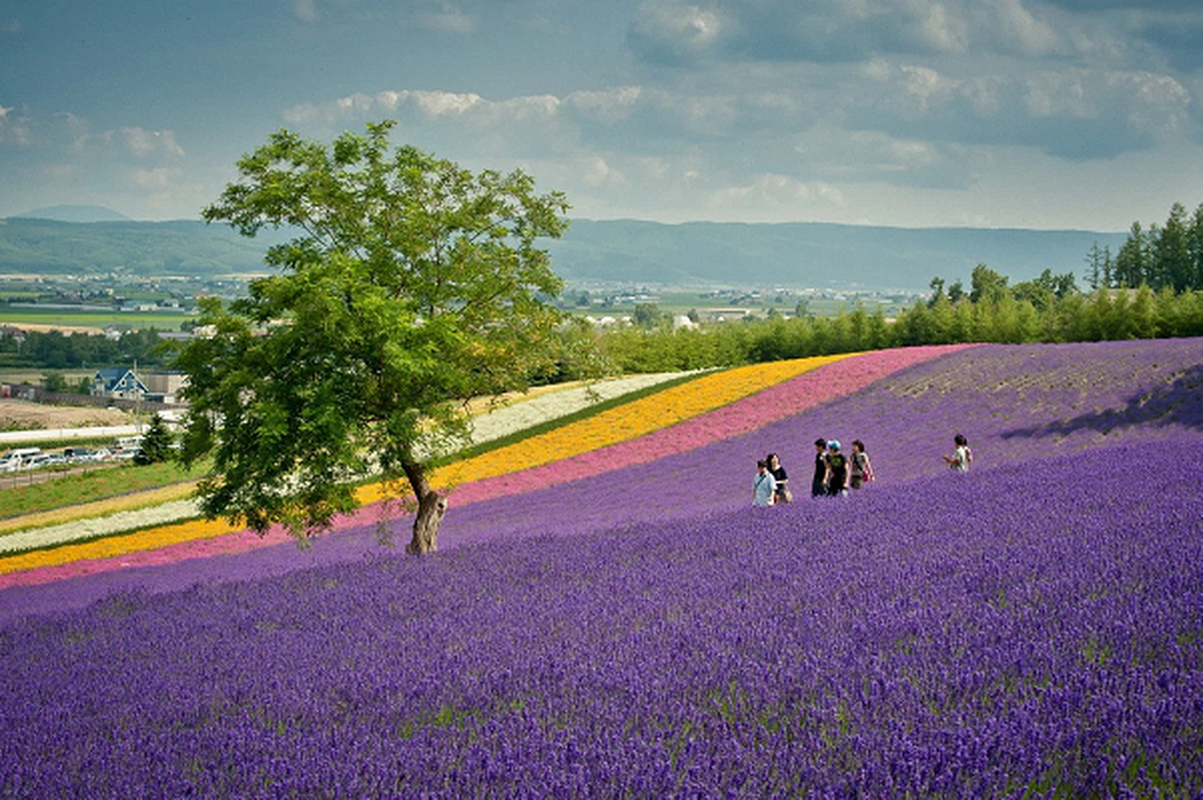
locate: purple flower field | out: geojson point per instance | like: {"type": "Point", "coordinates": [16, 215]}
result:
{"type": "Point", "coordinates": [1033, 628]}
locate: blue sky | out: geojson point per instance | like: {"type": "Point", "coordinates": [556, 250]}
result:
{"type": "Point", "coordinates": [996, 113]}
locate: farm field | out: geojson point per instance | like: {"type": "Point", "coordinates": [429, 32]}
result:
{"type": "Point", "coordinates": [615, 619]}
{"type": "Point", "coordinates": [90, 320]}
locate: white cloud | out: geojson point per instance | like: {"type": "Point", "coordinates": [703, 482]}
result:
{"type": "Point", "coordinates": [157, 178]}
{"type": "Point", "coordinates": [610, 106]}
{"type": "Point", "coordinates": [595, 171]}
{"type": "Point", "coordinates": [673, 30]}
{"type": "Point", "coordinates": [305, 10]}
{"type": "Point", "coordinates": [14, 128]}
{"type": "Point", "coordinates": [142, 143]}
{"type": "Point", "coordinates": [771, 194]}
{"type": "Point", "coordinates": [434, 105]}
{"type": "Point", "coordinates": [447, 19]}
{"type": "Point", "coordinates": [1012, 27]}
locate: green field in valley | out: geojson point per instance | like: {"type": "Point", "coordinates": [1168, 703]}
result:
{"type": "Point", "coordinates": [165, 320]}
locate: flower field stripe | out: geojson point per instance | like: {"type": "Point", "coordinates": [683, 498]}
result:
{"type": "Point", "coordinates": [662, 409]}
{"type": "Point", "coordinates": [544, 404]}
{"type": "Point", "coordinates": [96, 527]}
{"type": "Point", "coordinates": [838, 377]}
{"type": "Point", "coordinates": [96, 508]}
{"type": "Point", "coordinates": [121, 545]}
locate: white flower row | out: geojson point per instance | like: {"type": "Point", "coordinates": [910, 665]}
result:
{"type": "Point", "coordinates": [503, 420]}
{"type": "Point", "coordinates": [527, 412]}
{"type": "Point", "coordinates": [108, 525]}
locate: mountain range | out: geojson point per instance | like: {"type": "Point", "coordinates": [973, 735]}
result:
{"type": "Point", "coordinates": [88, 240]}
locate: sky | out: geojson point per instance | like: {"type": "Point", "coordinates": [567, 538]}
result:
{"type": "Point", "coordinates": [1053, 114]}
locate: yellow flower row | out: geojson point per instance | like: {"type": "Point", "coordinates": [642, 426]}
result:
{"type": "Point", "coordinates": [150, 539]}
{"type": "Point", "coordinates": [630, 420]}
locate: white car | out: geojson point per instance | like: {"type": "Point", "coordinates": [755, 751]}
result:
{"type": "Point", "coordinates": [36, 462]}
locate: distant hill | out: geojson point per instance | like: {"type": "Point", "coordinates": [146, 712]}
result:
{"type": "Point", "coordinates": [813, 254]}
{"type": "Point", "coordinates": [75, 214]}
{"type": "Point", "coordinates": [183, 247]}
{"type": "Point", "coordinates": [618, 251]}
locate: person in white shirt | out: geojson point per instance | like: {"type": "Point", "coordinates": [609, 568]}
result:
{"type": "Point", "coordinates": [962, 457]}
{"type": "Point", "coordinates": [764, 485]}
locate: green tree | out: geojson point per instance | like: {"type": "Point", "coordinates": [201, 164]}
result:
{"type": "Point", "coordinates": [54, 382]}
{"type": "Point", "coordinates": [1194, 243]}
{"type": "Point", "coordinates": [956, 292]}
{"type": "Point", "coordinates": [987, 286]}
{"type": "Point", "coordinates": [1132, 259]}
{"type": "Point", "coordinates": [410, 286]}
{"type": "Point", "coordinates": [1171, 256]}
{"type": "Point", "coordinates": [1099, 266]}
{"type": "Point", "coordinates": [647, 315]}
{"type": "Point", "coordinates": [156, 443]}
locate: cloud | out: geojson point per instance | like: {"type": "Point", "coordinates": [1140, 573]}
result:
{"type": "Point", "coordinates": [772, 192]}
{"type": "Point", "coordinates": [1013, 28]}
{"type": "Point", "coordinates": [609, 106]}
{"type": "Point", "coordinates": [156, 178]}
{"type": "Point", "coordinates": [446, 18]}
{"type": "Point", "coordinates": [142, 143]}
{"type": "Point", "coordinates": [14, 127]}
{"type": "Point", "coordinates": [305, 10]}
{"type": "Point", "coordinates": [1075, 113]}
{"type": "Point", "coordinates": [673, 32]}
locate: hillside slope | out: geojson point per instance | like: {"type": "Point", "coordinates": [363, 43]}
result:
{"type": "Point", "coordinates": [1031, 628]}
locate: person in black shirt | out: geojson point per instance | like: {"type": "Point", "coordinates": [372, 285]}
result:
{"type": "Point", "coordinates": [837, 471]}
{"type": "Point", "coordinates": [818, 484]}
{"type": "Point", "coordinates": [783, 493]}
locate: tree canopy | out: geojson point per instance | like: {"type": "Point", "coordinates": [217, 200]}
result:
{"type": "Point", "coordinates": [410, 285]}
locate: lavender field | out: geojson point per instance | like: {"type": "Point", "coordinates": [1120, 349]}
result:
{"type": "Point", "coordinates": [1033, 628]}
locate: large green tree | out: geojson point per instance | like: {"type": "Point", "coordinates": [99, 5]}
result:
{"type": "Point", "coordinates": [410, 286]}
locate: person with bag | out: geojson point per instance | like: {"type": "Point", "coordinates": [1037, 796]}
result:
{"type": "Point", "coordinates": [861, 471]}
{"type": "Point", "coordinates": [764, 486]}
{"type": "Point", "coordinates": [783, 493]}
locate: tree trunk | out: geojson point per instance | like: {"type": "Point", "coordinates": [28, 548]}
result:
{"type": "Point", "coordinates": [432, 505]}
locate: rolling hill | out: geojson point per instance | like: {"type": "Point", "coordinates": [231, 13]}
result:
{"type": "Point", "coordinates": [613, 251]}
{"type": "Point", "coordinates": [1030, 628]}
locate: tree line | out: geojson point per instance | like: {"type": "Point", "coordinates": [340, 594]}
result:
{"type": "Point", "coordinates": [1049, 308]}
{"type": "Point", "coordinates": [55, 350]}
{"type": "Point", "coordinates": [1167, 256]}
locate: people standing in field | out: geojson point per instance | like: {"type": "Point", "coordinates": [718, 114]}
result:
{"type": "Point", "coordinates": [860, 470]}
{"type": "Point", "coordinates": [782, 493]}
{"type": "Point", "coordinates": [764, 486]}
{"type": "Point", "coordinates": [837, 470]}
{"type": "Point", "coordinates": [818, 484]}
{"type": "Point", "coordinates": [962, 457]}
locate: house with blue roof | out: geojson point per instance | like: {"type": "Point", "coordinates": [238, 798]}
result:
{"type": "Point", "coordinates": [118, 382]}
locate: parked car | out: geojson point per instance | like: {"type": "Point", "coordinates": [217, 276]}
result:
{"type": "Point", "coordinates": [36, 462]}
{"type": "Point", "coordinates": [78, 455]}
{"type": "Point", "coordinates": [16, 459]}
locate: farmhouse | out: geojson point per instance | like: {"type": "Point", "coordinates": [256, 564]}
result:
{"type": "Point", "coordinates": [119, 383]}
